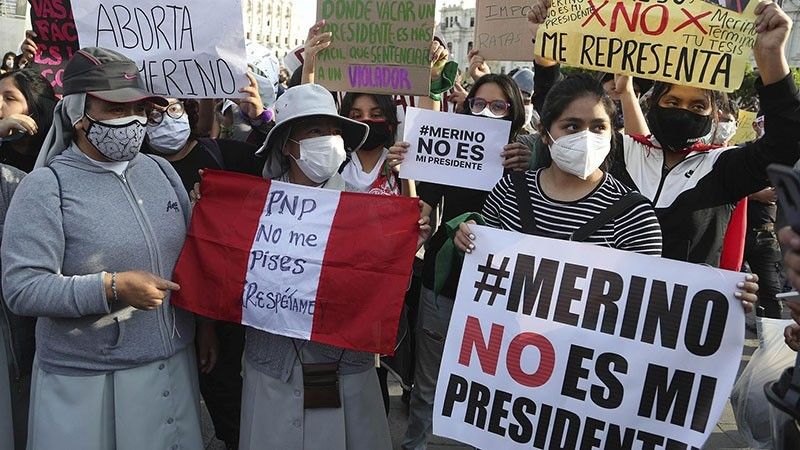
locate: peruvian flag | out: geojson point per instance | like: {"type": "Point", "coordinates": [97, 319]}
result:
{"type": "Point", "coordinates": [327, 266]}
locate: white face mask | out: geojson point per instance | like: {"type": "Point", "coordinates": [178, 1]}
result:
{"type": "Point", "coordinates": [170, 136]}
{"type": "Point", "coordinates": [580, 154]}
{"type": "Point", "coordinates": [725, 131]}
{"type": "Point", "coordinates": [487, 113]}
{"type": "Point", "coordinates": [528, 114]}
{"type": "Point", "coordinates": [9, 64]}
{"type": "Point", "coordinates": [321, 157]}
{"type": "Point", "coordinates": [117, 139]}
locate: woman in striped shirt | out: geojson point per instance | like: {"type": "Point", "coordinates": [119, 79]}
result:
{"type": "Point", "coordinates": [576, 125]}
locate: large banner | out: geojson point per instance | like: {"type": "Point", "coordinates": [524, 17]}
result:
{"type": "Point", "coordinates": [308, 263]}
{"type": "Point", "coordinates": [379, 46]}
{"type": "Point", "coordinates": [501, 30]}
{"type": "Point", "coordinates": [556, 344]}
{"type": "Point", "coordinates": [454, 149]}
{"type": "Point", "coordinates": [187, 48]}
{"type": "Point", "coordinates": [690, 42]}
{"type": "Point", "coordinates": [56, 38]}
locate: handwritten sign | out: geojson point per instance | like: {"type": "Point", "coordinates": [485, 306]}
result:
{"type": "Point", "coordinates": [693, 43]}
{"type": "Point", "coordinates": [282, 258]}
{"type": "Point", "coordinates": [557, 344]}
{"type": "Point", "coordinates": [379, 46]}
{"type": "Point", "coordinates": [744, 131]}
{"type": "Point", "coordinates": [455, 150]}
{"type": "Point", "coordinates": [501, 30]}
{"type": "Point", "coordinates": [56, 38]}
{"type": "Point", "coordinates": [182, 49]}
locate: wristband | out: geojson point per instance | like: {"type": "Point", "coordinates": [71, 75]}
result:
{"type": "Point", "coordinates": [435, 97]}
{"type": "Point", "coordinates": [114, 287]}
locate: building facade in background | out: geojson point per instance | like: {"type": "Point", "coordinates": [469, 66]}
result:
{"type": "Point", "coordinates": [12, 24]}
{"type": "Point", "coordinates": [272, 24]}
{"type": "Point", "coordinates": [792, 8]}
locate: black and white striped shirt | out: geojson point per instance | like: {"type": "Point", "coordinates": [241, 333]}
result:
{"type": "Point", "coordinates": [636, 230]}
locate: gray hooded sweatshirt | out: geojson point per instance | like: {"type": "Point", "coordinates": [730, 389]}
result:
{"type": "Point", "coordinates": [63, 232]}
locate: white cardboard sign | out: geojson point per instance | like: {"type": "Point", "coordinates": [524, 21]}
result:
{"type": "Point", "coordinates": [184, 49]}
{"type": "Point", "coordinates": [557, 344]}
{"type": "Point", "coordinates": [454, 149]}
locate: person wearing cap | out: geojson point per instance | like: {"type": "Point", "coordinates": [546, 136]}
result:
{"type": "Point", "coordinates": [524, 79]}
{"type": "Point", "coordinates": [91, 238]}
{"type": "Point", "coordinates": [307, 146]}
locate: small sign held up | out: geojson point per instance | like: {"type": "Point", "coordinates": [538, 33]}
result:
{"type": "Point", "coordinates": [380, 47]}
{"type": "Point", "coordinates": [182, 49]}
{"type": "Point", "coordinates": [501, 30]}
{"type": "Point", "coordinates": [454, 150]}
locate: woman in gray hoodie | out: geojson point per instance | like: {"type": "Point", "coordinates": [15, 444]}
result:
{"type": "Point", "coordinates": [90, 241]}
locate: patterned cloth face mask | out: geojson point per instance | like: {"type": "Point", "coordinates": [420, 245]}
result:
{"type": "Point", "coordinates": [117, 139]}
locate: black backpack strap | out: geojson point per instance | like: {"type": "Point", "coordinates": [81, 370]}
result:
{"type": "Point", "coordinates": [524, 202]}
{"type": "Point", "coordinates": [60, 189]}
{"type": "Point", "coordinates": [623, 205]}
{"type": "Point", "coordinates": [348, 159]}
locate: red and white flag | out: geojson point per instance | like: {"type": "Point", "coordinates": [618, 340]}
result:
{"type": "Point", "coordinates": [328, 266]}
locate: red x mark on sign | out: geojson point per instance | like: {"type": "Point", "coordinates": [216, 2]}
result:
{"type": "Point", "coordinates": [692, 20]}
{"type": "Point", "coordinates": [595, 13]}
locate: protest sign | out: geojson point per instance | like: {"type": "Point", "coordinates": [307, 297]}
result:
{"type": "Point", "coordinates": [182, 49]}
{"type": "Point", "coordinates": [56, 38]}
{"type": "Point", "coordinates": [379, 46]}
{"type": "Point", "coordinates": [693, 43]}
{"type": "Point", "coordinates": [455, 150]}
{"type": "Point", "coordinates": [558, 344]}
{"type": "Point", "coordinates": [745, 131]}
{"type": "Point", "coordinates": [299, 261]}
{"type": "Point", "coordinates": [501, 30]}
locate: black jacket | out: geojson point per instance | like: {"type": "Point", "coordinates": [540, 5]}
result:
{"type": "Point", "coordinates": [694, 200]}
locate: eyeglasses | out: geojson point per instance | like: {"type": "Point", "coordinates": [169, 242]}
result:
{"type": "Point", "coordinates": [497, 107]}
{"type": "Point", "coordinates": [174, 110]}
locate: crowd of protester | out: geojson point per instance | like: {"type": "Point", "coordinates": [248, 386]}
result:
{"type": "Point", "coordinates": [97, 357]}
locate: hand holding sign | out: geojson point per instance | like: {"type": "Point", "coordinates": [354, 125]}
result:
{"type": "Point", "coordinates": [772, 26]}
{"type": "Point", "coordinates": [251, 104]}
{"type": "Point", "coordinates": [477, 65]}
{"type": "Point", "coordinates": [516, 156]}
{"type": "Point", "coordinates": [28, 48]}
{"type": "Point", "coordinates": [397, 153]}
{"type": "Point", "coordinates": [315, 43]}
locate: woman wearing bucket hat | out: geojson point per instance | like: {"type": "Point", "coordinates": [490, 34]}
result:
{"type": "Point", "coordinates": [307, 145]}
{"type": "Point", "coordinates": [91, 238]}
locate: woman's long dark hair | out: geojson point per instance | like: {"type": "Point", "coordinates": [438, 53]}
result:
{"type": "Point", "coordinates": [41, 101]}
{"type": "Point", "coordinates": [386, 104]}
{"type": "Point", "coordinates": [13, 56]}
{"type": "Point", "coordinates": [510, 91]}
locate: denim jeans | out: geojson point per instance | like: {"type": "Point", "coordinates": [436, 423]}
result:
{"type": "Point", "coordinates": [432, 324]}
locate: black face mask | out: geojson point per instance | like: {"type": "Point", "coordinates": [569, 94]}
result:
{"type": "Point", "coordinates": [379, 134]}
{"type": "Point", "coordinates": [677, 128]}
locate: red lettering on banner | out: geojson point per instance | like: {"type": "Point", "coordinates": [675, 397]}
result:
{"type": "Point", "coordinates": [629, 21]}
{"type": "Point", "coordinates": [693, 20]}
{"type": "Point", "coordinates": [595, 13]}
{"type": "Point", "coordinates": [547, 359]}
{"type": "Point", "coordinates": [661, 26]}
{"type": "Point", "coordinates": [488, 352]}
